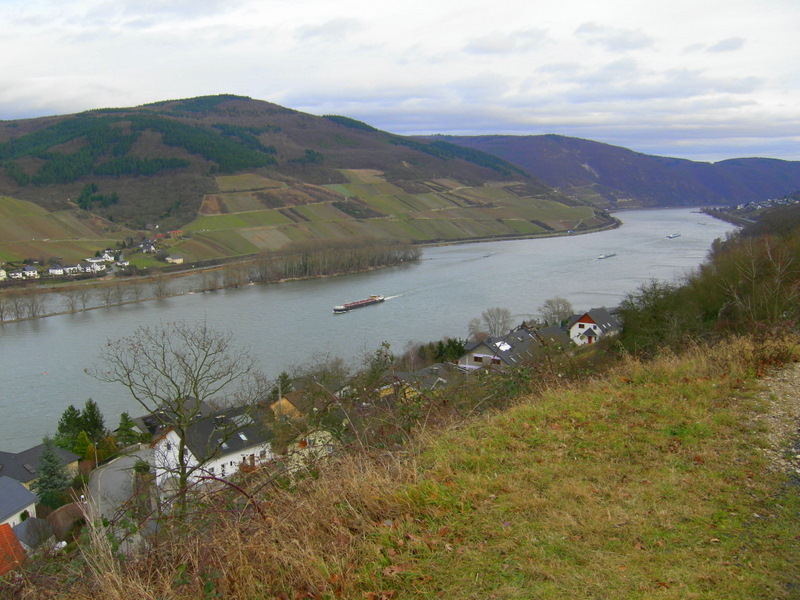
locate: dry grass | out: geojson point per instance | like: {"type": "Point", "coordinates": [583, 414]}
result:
{"type": "Point", "coordinates": [645, 483]}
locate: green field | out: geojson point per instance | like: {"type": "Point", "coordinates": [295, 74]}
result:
{"type": "Point", "coordinates": [449, 211]}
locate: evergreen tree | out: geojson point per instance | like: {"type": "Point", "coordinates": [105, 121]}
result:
{"type": "Point", "coordinates": [92, 421]}
{"type": "Point", "coordinates": [69, 426]}
{"type": "Point", "coordinates": [125, 433]}
{"type": "Point", "coordinates": [82, 444]}
{"type": "Point", "coordinates": [53, 478]}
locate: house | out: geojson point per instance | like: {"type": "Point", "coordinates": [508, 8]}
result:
{"type": "Point", "coordinates": [33, 533]}
{"type": "Point", "coordinates": [16, 502]}
{"type": "Point", "coordinates": [92, 266]}
{"type": "Point", "coordinates": [12, 554]}
{"type": "Point", "coordinates": [23, 466]}
{"type": "Point", "coordinates": [3, 275]}
{"type": "Point", "coordinates": [512, 349]}
{"type": "Point", "coordinates": [72, 270]}
{"type": "Point", "coordinates": [434, 377]}
{"type": "Point", "coordinates": [55, 270]}
{"type": "Point", "coordinates": [30, 272]}
{"type": "Point", "coordinates": [16, 274]}
{"type": "Point", "coordinates": [174, 259]}
{"type": "Point", "coordinates": [107, 255]}
{"type": "Point", "coordinates": [219, 443]}
{"type": "Point", "coordinates": [591, 326]}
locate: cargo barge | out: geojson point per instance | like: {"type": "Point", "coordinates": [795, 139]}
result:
{"type": "Point", "coordinates": [343, 308]}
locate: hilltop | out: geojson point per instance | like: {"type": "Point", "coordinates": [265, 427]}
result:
{"type": "Point", "coordinates": [238, 175]}
{"type": "Point", "coordinates": [614, 177]}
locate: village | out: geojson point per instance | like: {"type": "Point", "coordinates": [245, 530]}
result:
{"type": "Point", "coordinates": [198, 445]}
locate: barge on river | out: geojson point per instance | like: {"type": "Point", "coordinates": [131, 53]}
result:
{"type": "Point", "coordinates": [343, 308]}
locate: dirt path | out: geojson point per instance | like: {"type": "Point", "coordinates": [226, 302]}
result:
{"type": "Point", "coordinates": [781, 394]}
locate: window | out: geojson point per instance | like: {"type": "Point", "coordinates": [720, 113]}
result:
{"type": "Point", "coordinates": [478, 359]}
{"type": "Point", "coordinates": [242, 436]}
{"type": "Point", "coordinates": [581, 325]}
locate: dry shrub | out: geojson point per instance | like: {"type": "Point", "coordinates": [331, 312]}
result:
{"type": "Point", "coordinates": [303, 540]}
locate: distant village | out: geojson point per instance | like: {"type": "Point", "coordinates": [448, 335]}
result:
{"type": "Point", "coordinates": [99, 264]}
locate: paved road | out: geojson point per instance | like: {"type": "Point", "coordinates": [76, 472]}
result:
{"type": "Point", "coordinates": [112, 484]}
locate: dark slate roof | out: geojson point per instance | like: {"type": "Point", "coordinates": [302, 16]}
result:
{"type": "Point", "coordinates": [226, 431]}
{"type": "Point", "coordinates": [14, 497]}
{"type": "Point", "coordinates": [434, 377]}
{"type": "Point", "coordinates": [33, 532]}
{"type": "Point", "coordinates": [554, 335]}
{"type": "Point", "coordinates": [23, 466]}
{"type": "Point", "coordinates": [512, 348]}
{"type": "Point", "coordinates": [156, 422]}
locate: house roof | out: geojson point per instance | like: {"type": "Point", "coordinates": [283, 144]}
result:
{"type": "Point", "coordinates": [554, 335]}
{"type": "Point", "coordinates": [23, 466]}
{"type": "Point", "coordinates": [14, 497]}
{"type": "Point", "coordinates": [604, 319]}
{"type": "Point", "coordinates": [512, 348]}
{"type": "Point", "coordinates": [11, 551]}
{"type": "Point", "coordinates": [156, 422]}
{"type": "Point", "coordinates": [226, 431]}
{"type": "Point", "coordinates": [33, 532]}
{"type": "Point", "coordinates": [433, 377]}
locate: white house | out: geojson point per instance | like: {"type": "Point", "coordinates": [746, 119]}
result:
{"type": "Point", "coordinates": [174, 259]}
{"type": "Point", "coordinates": [3, 275]}
{"type": "Point", "coordinates": [17, 503]}
{"type": "Point", "coordinates": [219, 443]}
{"type": "Point", "coordinates": [590, 326]}
{"type": "Point", "coordinates": [30, 272]}
{"type": "Point", "coordinates": [55, 270]}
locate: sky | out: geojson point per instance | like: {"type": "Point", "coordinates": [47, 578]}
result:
{"type": "Point", "coordinates": [698, 79]}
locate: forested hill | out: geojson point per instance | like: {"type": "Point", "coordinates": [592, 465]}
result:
{"type": "Point", "coordinates": [154, 163]}
{"type": "Point", "coordinates": [615, 177]}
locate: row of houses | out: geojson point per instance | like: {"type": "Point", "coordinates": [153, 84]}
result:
{"type": "Point", "coordinates": [91, 265]}
{"type": "Point", "coordinates": [222, 442]}
{"type": "Point", "coordinates": [21, 532]}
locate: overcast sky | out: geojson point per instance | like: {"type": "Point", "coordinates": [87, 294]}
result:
{"type": "Point", "coordinates": [698, 79]}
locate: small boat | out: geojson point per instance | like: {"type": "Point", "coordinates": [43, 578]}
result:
{"type": "Point", "coordinates": [673, 236]}
{"type": "Point", "coordinates": [609, 255]}
{"type": "Point", "coordinates": [343, 308]}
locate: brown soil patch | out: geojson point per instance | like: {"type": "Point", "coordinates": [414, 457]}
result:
{"type": "Point", "coordinates": [212, 205]}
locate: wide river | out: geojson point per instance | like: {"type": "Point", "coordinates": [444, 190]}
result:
{"type": "Point", "coordinates": [288, 324]}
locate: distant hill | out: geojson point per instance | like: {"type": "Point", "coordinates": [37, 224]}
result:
{"type": "Point", "coordinates": [237, 176]}
{"type": "Point", "coordinates": [153, 164]}
{"type": "Point", "coordinates": [615, 177]}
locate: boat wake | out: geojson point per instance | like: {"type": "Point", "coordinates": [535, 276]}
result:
{"type": "Point", "coordinates": [390, 297]}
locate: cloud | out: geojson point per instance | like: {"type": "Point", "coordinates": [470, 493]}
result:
{"type": "Point", "coordinates": [727, 45]}
{"type": "Point", "coordinates": [505, 43]}
{"type": "Point", "coordinates": [333, 30]}
{"type": "Point", "coordinates": [614, 39]}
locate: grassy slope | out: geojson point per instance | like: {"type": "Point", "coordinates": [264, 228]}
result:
{"type": "Point", "coordinates": [646, 483]}
{"type": "Point", "coordinates": [649, 482]}
{"type": "Point", "coordinates": [28, 230]}
{"type": "Point", "coordinates": [455, 213]}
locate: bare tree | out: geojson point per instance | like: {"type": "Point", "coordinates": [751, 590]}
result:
{"type": "Point", "coordinates": [172, 370]}
{"type": "Point", "coordinates": [554, 310]}
{"type": "Point", "coordinates": [34, 304]}
{"type": "Point", "coordinates": [494, 321]}
{"type": "Point", "coordinates": [70, 299]}
{"type": "Point", "coordinates": [4, 306]}
{"type": "Point", "coordinates": [160, 286]}
{"type": "Point", "coordinates": [136, 289]}
{"type": "Point", "coordinates": [84, 294]}
{"type": "Point", "coordinates": [107, 294]}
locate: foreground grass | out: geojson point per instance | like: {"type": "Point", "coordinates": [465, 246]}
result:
{"type": "Point", "coordinates": [649, 482]}
{"type": "Point", "coordinates": [646, 483]}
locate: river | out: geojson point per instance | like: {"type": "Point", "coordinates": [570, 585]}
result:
{"type": "Point", "coordinates": [287, 324]}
